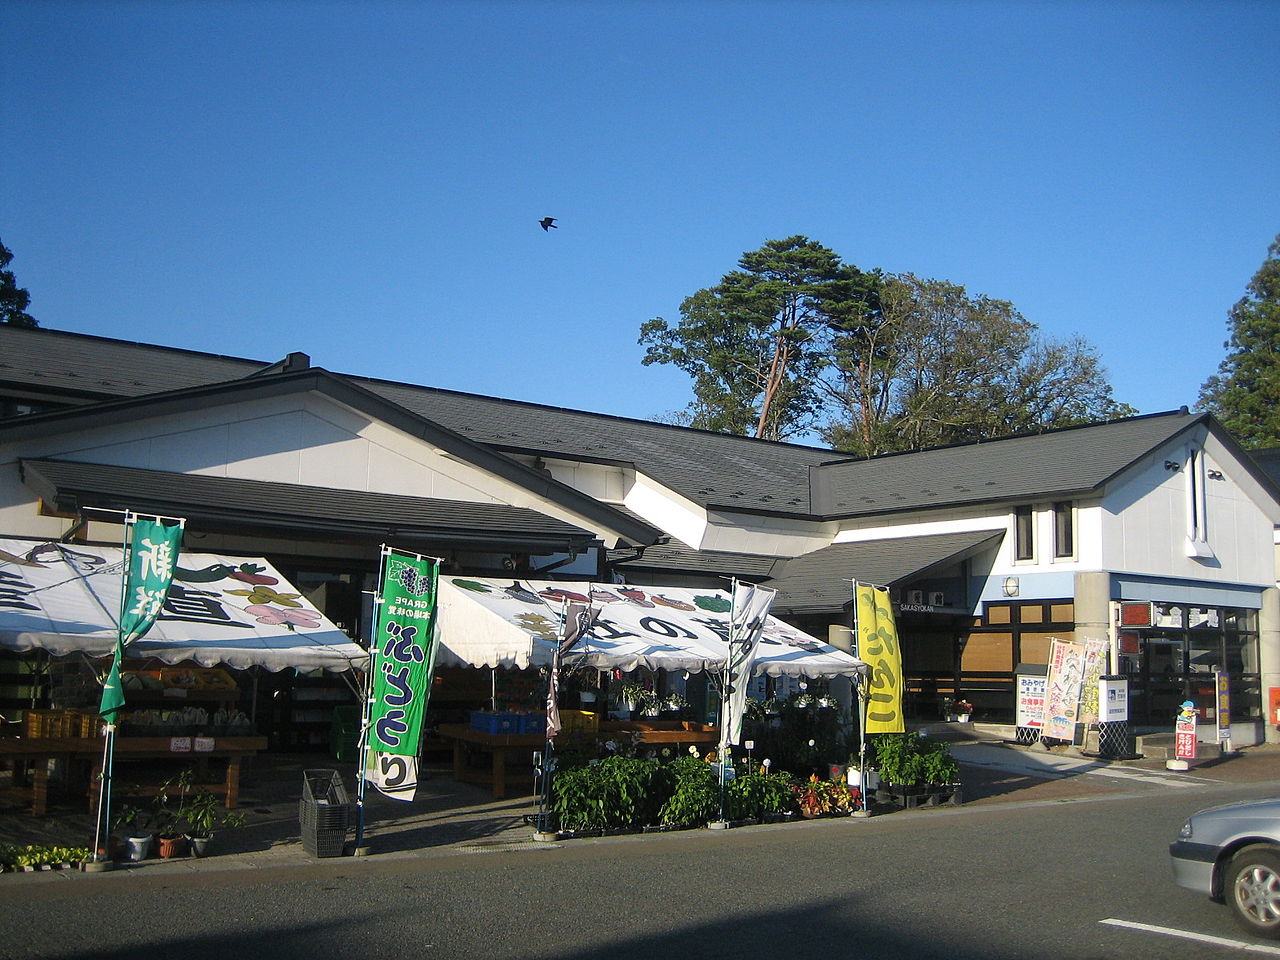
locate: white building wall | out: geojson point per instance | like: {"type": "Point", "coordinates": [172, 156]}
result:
{"type": "Point", "coordinates": [298, 439]}
{"type": "Point", "coordinates": [1145, 521]}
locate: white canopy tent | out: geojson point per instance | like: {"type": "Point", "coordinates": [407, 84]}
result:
{"type": "Point", "coordinates": [513, 623]}
{"type": "Point", "coordinates": [237, 612]}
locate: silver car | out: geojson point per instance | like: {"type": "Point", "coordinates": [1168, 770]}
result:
{"type": "Point", "coordinates": [1232, 853]}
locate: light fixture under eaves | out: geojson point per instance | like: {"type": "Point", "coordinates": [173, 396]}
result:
{"type": "Point", "coordinates": [1011, 586]}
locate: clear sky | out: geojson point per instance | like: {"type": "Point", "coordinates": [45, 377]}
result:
{"type": "Point", "coordinates": [362, 181]}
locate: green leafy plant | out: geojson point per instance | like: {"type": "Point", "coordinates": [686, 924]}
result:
{"type": "Point", "coordinates": [910, 759]}
{"type": "Point", "coordinates": [696, 798]}
{"type": "Point", "coordinates": [201, 814]}
{"type": "Point", "coordinates": [15, 856]}
{"type": "Point", "coordinates": [614, 793]}
{"type": "Point", "coordinates": [758, 795]}
{"type": "Point", "coordinates": [132, 820]}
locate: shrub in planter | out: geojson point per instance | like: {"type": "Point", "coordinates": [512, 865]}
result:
{"type": "Point", "coordinates": [758, 795]}
{"type": "Point", "coordinates": [911, 760]}
{"type": "Point", "coordinates": [617, 792]}
{"type": "Point", "coordinates": [695, 798]}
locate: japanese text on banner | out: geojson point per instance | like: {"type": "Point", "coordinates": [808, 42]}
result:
{"type": "Point", "coordinates": [878, 646]}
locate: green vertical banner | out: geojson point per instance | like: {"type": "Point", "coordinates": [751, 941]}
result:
{"type": "Point", "coordinates": [404, 653]}
{"type": "Point", "coordinates": [151, 554]}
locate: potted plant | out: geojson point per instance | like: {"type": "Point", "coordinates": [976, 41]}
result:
{"type": "Point", "coordinates": [200, 813]}
{"type": "Point", "coordinates": [635, 697]}
{"type": "Point", "coordinates": [959, 711]}
{"type": "Point", "coordinates": [674, 705]}
{"type": "Point", "coordinates": [134, 823]}
{"type": "Point", "coordinates": [172, 842]}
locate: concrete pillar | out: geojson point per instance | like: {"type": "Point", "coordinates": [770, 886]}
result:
{"type": "Point", "coordinates": [1269, 656]}
{"type": "Point", "coordinates": [841, 637]}
{"type": "Point", "coordinates": [1093, 605]}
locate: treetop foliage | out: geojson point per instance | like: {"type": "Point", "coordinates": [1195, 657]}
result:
{"type": "Point", "coordinates": [1245, 392]}
{"type": "Point", "coordinates": [797, 340]}
{"type": "Point", "coordinates": [13, 299]}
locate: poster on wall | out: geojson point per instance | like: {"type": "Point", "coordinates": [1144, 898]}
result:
{"type": "Point", "coordinates": [1067, 663]}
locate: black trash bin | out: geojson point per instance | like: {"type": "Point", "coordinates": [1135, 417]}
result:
{"type": "Point", "coordinates": [324, 813]}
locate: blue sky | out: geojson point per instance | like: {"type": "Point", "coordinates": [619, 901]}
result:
{"type": "Point", "coordinates": [362, 181]}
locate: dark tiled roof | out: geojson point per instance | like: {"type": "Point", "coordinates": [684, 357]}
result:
{"type": "Point", "coordinates": [712, 469]}
{"type": "Point", "coordinates": [677, 558]}
{"type": "Point", "coordinates": [1060, 462]}
{"type": "Point", "coordinates": [708, 468]}
{"type": "Point", "coordinates": [252, 504]}
{"type": "Point", "coordinates": [820, 580]}
{"type": "Point", "coordinates": [95, 368]}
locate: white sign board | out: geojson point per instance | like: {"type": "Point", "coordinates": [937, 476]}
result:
{"type": "Point", "coordinates": [1113, 700]}
{"type": "Point", "coordinates": [1030, 712]}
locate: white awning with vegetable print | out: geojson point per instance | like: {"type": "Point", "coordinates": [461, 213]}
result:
{"type": "Point", "coordinates": [230, 611]}
{"type": "Point", "coordinates": [512, 623]}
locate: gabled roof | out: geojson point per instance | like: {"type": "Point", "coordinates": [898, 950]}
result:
{"type": "Point", "coordinates": [351, 394]}
{"type": "Point", "coordinates": [717, 471]}
{"type": "Point", "coordinates": [710, 469]}
{"type": "Point", "coordinates": [243, 506]}
{"type": "Point", "coordinates": [1058, 463]}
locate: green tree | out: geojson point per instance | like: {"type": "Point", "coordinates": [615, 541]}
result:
{"type": "Point", "coordinates": [755, 342]}
{"type": "Point", "coordinates": [939, 366]}
{"type": "Point", "coordinates": [1245, 392]}
{"type": "Point", "coordinates": [13, 299]}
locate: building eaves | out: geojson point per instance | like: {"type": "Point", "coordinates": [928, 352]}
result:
{"type": "Point", "coordinates": [343, 390]}
{"type": "Point", "coordinates": [237, 506]}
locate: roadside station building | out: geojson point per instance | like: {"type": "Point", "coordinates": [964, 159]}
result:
{"type": "Point", "coordinates": [990, 549]}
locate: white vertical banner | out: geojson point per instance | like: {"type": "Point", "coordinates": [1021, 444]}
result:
{"type": "Point", "coordinates": [393, 774]}
{"type": "Point", "coordinates": [746, 626]}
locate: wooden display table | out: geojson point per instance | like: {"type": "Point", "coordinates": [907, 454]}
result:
{"type": "Point", "coordinates": [498, 745]}
{"type": "Point", "coordinates": [40, 750]}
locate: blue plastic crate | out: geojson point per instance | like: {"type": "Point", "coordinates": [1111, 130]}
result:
{"type": "Point", "coordinates": [494, 723]}
{"type": "Point", "coordinates": [533, 723]}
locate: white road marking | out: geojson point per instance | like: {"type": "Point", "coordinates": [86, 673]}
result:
{"type": "Point", "coordinates": [1241, 945]}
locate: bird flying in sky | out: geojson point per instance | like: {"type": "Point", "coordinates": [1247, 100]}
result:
{"type": "Point", "coordinates": [548, 223]}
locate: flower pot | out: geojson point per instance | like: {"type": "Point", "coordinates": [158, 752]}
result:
{"type": "Point", "coordinates": [173, 847]}
{"type": "Point", "coordinates": [138, 848]}
{"type": "Point", "coordinates": [198, 845]}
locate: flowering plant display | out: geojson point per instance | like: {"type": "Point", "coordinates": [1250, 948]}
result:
{"type": "Point", "coordinates": [959, 706]}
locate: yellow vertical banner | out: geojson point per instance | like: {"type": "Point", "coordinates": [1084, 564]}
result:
{"type": "Point", "coordinates": [878, 648]}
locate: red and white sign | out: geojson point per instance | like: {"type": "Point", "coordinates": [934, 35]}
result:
{"type": "Point", "coordinates": [1185, 738]}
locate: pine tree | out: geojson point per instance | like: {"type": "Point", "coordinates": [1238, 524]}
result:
{"type": "Point", "coordinates": [1245, 392]}
{"type": "Point", "coordinates": [13, 299]}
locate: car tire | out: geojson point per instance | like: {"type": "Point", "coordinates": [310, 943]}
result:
{"type": "Point", "coordinates": [1252, 890]}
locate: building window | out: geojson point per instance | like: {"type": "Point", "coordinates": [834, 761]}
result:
{"type": "Point", "coordinates": [1064, 530]}
{"type": "Point", "coordinates": [1197, 529]}
{"type": "Point", "coordinates": [1024, 533]}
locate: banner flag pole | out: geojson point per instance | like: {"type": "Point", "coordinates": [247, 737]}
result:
{"type": "Point", "coordinates": [402, 655]}
{"type": "Point", "coordinates": [362, 754]}
{"type": "Point", "coordinates": [860, 686]}
{"type": "Point", "coordinates": [150, 555]}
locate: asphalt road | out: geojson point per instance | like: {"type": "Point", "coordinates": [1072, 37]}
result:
{"type": "Point", "coordinates": [1013, 880]}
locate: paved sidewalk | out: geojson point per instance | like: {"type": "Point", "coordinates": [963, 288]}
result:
{"type": "Point", "coordinates": [451, 818]}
